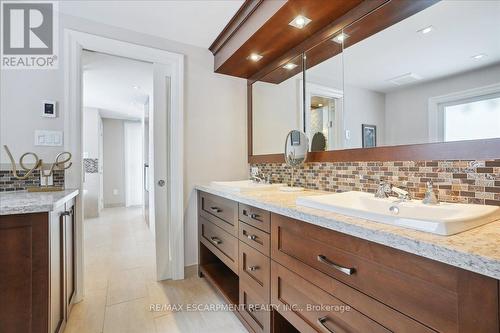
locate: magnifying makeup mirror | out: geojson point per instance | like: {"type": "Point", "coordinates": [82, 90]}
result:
{"type": "Point", "coordinates": [296, 149]}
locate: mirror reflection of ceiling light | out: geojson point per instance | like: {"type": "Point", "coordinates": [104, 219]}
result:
{"type": "Point", "coordinates": [300, 22]}
{"type": "Point", "coordinates": [290, 66]}
{"type": "Point", "coordinates": [320, 105]}
{"type": "Point", "coordinates": [479, 56]}
{"type": "Point", "coordinates": [254, 57]}
{"type": "Point", "coordinates": [340, 38]}
{"type": "Point", "coordinates": [426, 30]}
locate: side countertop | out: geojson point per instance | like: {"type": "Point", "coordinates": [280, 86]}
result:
{"type": "Point", "coordinates": [476, 250]}
{"type": "Point", "coordinates": [22, 202]}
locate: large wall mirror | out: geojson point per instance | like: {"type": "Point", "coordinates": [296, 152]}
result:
{"type": "Point", "coordinates": [276, 107]}
{"type": "Point", "coordinates": [432, 77]}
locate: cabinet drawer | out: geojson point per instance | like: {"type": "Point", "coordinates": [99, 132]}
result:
{"type": "Point", "coordinates": [254, 310]}
{"type": "Point", "coordinates": [310, 309]}
{"type": "Point", "coordinates": [220, 211]}
{"type": "Point", "coordinates": [427, 291]}
{"type": "Point", "coordinates": [221, 243]}
{"type": "Point", "coordinates": [255, 269]}
{"type": "Point", "coordinates": [254, 237]}
{"type": "Point", "coordinates": [256, 217]}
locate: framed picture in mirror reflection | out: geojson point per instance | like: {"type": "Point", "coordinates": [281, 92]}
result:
{"type": "Point", "coordinates": [369, 133]}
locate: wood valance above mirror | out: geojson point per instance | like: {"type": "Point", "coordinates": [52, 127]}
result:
{"type": "Point", "coordinates": [300, 66]}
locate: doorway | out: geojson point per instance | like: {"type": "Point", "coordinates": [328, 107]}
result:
{"type": "Point", "coordinates": [323, 117]}
{"type": "Point", "coordinates": [166, 139]}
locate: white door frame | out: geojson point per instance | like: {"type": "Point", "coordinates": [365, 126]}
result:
{"type": "Point", "coordinates": [74, 43]}
{"type": "Point", "coordinates": [327, 92]}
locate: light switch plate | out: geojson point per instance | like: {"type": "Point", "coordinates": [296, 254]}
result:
{"type": "Point", "coordinates": [48, 138]}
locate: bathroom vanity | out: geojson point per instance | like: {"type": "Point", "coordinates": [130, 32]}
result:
{"type": "Point", "coordinates": [37, 260]}
{"type": "Point", "coordinates": [287, 268]}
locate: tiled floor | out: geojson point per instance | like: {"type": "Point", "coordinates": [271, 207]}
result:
{"type": "Point", "coordinates": [120, 285]}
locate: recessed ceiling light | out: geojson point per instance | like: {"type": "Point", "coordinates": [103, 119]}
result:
{"type": "Point", "coordinates": [300, 22]}
{"type": "Point", "coordinates": [254, 57]}
{"type": "Point", "coordinates": [340, 38]}
{"type": "Point", "coordinates": [290, 66]}
{"type": "Point", "coordinates": [136, 87]}
{"type": "Point", "coordinates": [479, 56]}
{"type": "Point", "coordinates": [426, 30]}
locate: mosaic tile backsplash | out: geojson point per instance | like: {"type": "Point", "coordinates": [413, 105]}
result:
{"type": "Point", "coordinates": [475, 182]}
{"type": "Point", "coordinates": [91, 165]}
{"type": "Point", "coordinates": [9, 183]}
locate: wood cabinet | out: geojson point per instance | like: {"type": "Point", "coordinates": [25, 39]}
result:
{"type": "Point", "coordinates": [56, 272]}
{"type": "Point", "coordinates": [37, 275]}
{"type": "Point", "coordinates": [70, 260]}
{"type": "Point", "coordinates": [295, 276]}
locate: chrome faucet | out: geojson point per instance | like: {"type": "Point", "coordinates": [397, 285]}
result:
{"type": "Point", "coordinates": [403, 195]}
{"type": "Point", "coordinates": [430, 197]}
{"type": "Point", "coordinates": [261, 178]}
{"type": "Point", "coordinates": [383, 190]}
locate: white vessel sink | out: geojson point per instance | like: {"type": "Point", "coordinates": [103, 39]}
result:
{"type": "Point", "coordinates": [245, 186]}
{"type": "Point", "coordinates": [442, 219]}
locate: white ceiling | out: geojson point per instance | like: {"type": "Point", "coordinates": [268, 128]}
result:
{"type": "Point", "coordinates": [461, 29]}
{"type": "Point", "coordinates": [192, 22]}
{"type": "Point", "coordinates": [117, 86]}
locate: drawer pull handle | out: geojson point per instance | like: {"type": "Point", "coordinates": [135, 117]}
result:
{"type": "Point", "coordinates": [253, 268]}
{"type": "Point", "coordinates": [215, 240]}
{"type": "Point", "coordinates": [345, 270]}
{"type": "Point", "coordinates": [322, 322]}
{"type": "Point", "coordinates": [252, 216]}
{"type": "Point", "coordinates": [252, 237]}
{"type": "Point", "coordinates": [255, 217]}
{"type": "Point", "coordinates": [216, 209]}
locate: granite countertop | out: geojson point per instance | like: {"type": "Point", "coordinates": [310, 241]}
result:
{"type": "Point", "coordinates": [22, 202]}
{"type": "Point", "coordinates": [476, 250]}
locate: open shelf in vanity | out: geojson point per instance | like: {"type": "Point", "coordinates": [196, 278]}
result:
{"type": "Point", "coordinates": [219, 275]}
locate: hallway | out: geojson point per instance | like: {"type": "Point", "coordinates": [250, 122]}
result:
{"type": "Point", "coordinates": [120, 285]}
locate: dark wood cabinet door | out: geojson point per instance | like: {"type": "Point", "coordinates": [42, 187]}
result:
{"type": "Point", "coordinates": [69, 235]}
{"type": "Point", "coordinates": [24, 276]}
{"type": "Point", "coordinates": [56, 296]}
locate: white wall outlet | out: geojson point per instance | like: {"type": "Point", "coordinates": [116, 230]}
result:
{"type": "Point", "coordinates": [254, 171]}
{"type": "Point", "coordinates": [347, 134]}
{"type": "Point", "coordinates": [48, 138]}
{"type": "Point", "coordinates": [46, 181]}
{"type": "Point", "coordinates": [115, 191]}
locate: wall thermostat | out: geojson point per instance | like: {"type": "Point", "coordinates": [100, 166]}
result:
{"type": "Point", "coordinates": [49, 109]}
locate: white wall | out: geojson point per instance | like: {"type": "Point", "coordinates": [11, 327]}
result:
{"type": "Point", "coordinates": [214, 107]}
{"type": "Point", "coordinates": [114, 162]}
{"type": "Point", "coordinates": [133, 163]}
{"type": "Point", "coordinates": [275, 112]}
{"type": "Point", "coordinates": [91, 138]}
{"type": "Point", "coordinates": [362, 106]}
{"type": "Point", "coordinates": [407, 109]}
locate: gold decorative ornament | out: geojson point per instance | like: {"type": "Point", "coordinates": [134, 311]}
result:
{"type": "Point", "coordinates": [59, 164]}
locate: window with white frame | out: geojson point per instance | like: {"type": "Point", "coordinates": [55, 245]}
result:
{"type": "Point", "coordinates": [466, 115]}
{"type": "Point", "coordinates": [471, 118]}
